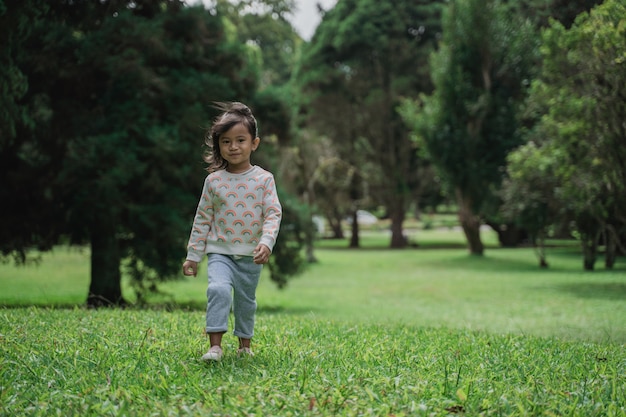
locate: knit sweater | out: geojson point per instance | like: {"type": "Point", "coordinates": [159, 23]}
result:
{"type": "Point", "coordinates": [236, 212]}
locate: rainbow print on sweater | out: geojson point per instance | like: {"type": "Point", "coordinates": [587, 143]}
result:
{"type": "Point", "coordinates": [236, 212]}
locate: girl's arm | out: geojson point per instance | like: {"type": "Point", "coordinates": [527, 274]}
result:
{"type": "Point", "coordinates": [272, 214]}
{"type": "Point", "coordinates": [201, 225]}
{"type": "Point", "coordinates": [190, 268]}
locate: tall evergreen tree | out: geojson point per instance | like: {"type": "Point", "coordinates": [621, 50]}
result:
{"type": "Point", "coordinates": [469, 124]}
{"type": "Point", "coordinates": [122, 94]}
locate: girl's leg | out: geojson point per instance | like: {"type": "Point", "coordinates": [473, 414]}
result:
{"type": "Point", "coordinates": [216, 338]}
{"type": "Point", "coordinates": [219, 297]}
{"type": "Point", "coordinates": [215, 351]}
{"type": "Point", "coordinates": [244, 343]}
{"type": "Point", "coordinates": [244, 299]}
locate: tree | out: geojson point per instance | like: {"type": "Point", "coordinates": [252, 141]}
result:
{"type": "Point", "coordinates": [351, 88]}
{"type": "Point", "coordinates": [529, 194]}
{"type": "Point", "coordinates": [580, 101]}
{"type": "Point", "coordinates": [120, 91]}
{"type": "Point", "coordinates": [271, 32]}
{"type": "Point", "coordinates": [468, 125]}
{"type": "Point", "coordinates": [24, 224]}
{"type": "Point", "coordinates": [564, 11]}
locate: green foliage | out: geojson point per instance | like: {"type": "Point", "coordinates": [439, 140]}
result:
{"type": "Point", "coordinates": [262, 26]}
{"type": "Point", "coordinates": [469, 124]}
{"type": "Point", "coordinates": [120, 96]}
{"type": "Point", "coordinates": [278, 42]}
{"type": "Point", "coordinates": [23, 161]}
{"type": "Point", "coordinates": [271, 109]}
{"type": "Point", "coordinates": [14, 18]}
{"type": "Point", "coordinates": [287, 260]}
{"type": "Point", "coordinates": [529, 193]}
{"type": "Point", "coordinates": [564, 11]}
{"type": "Point", "coordinates": [350, 90]}
{"type": "Point", "coordinates": [579, 101]}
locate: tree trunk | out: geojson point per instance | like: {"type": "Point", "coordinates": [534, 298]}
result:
{"type": "Point", "coordinates": [310, 253]}
{"type": "Point", "coordinates": [398, 240]}
{"type": "Point", "coordinates": [610, 253]}
{"type": "Point", "coordinates": [470, 223]}
{"type": "Point", "coordinates": [354, 239]}
{"type": "Point", "coordinates": [309, 246]}
{"type": "Point", "coordinates": [590, 232]}
{"type": "Point", "coordinates": [334, 222]}
{"type": "Point", "coordinates": [539, 243]}
{"type": "Point", "coordinates": [310, 229]}
{"type": "Point", "coordinates": [590, 249]}
{"type": "Point", "coordinates": [105, 288]}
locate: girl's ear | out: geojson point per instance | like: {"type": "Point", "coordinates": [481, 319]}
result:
{"type": "Point", "coordinates": [255, 143]}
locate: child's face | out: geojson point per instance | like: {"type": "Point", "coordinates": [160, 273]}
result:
{"type": "Point", "coordinates": [236, 146]}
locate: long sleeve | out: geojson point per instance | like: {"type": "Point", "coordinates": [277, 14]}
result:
{"type": "Point", "coordinates": [196, 248]}
{"type": "Point", "coordinates": [272, 214]}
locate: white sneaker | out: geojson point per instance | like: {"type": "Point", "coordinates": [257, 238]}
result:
{"type": "Point", "coordinates": [214, 354]}
{"type": "Point", "coordinates": [246, 351]}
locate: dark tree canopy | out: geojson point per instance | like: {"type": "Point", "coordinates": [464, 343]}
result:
{"type": "Point", "coordinates": [118, 98]}
{"type": "Point", "coordinates": [563, 11]}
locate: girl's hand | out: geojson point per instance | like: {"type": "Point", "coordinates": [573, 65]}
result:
{"type": "Point", "coordinates": [261, 254]}
{"type": "Point", "coordinates": [190, 268]}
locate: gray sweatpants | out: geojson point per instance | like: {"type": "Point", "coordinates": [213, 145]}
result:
{"type": "Point", "coordinates": [232, 280]}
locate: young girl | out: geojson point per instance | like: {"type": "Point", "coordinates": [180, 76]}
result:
{"type": "Point", "coordinates": [236, 225]}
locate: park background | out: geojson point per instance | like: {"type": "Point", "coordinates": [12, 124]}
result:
{"type": "Point", "coordinates": [466, 158]}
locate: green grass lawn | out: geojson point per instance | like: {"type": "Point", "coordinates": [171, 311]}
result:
{"type": "Point", "coordinates": [78, 362]}
{"type": "Point", "coordinates": [423, 331]}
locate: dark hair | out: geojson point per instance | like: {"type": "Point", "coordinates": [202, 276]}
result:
{"type": "Point", "coordinates": [233, 113]}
